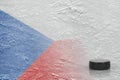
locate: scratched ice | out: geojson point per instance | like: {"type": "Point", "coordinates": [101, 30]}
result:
{"type": "Point", "coordinates": [98, 28]}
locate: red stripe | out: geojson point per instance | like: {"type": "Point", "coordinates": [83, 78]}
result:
{"type": "Point", "coordinates": [64, 60]}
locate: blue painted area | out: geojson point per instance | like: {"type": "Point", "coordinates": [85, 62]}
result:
{"type": "Point", "coordinates": [20, 45]}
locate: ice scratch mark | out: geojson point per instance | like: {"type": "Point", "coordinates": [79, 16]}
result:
{"type": "Point", "coordinates": [68, 10]}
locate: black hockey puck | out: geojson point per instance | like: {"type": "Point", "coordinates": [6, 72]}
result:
{"type": "Point", "coordinates": [99, 64]}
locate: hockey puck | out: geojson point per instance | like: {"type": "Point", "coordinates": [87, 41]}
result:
{"type": "Point", "coordinates": [99, 64]}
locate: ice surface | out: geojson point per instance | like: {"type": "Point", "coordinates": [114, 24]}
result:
{"type": "Point", "coordinates": [95, 22]}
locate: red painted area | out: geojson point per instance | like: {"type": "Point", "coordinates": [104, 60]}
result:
{"type": "Point", "coordinates": [64, 60]}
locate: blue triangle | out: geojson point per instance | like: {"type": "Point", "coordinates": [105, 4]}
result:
{"type": "Point", "coordinates": [20, 46]}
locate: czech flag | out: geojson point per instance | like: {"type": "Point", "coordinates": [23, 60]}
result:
{"type": "Point", "coordinates": [26, 54]}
